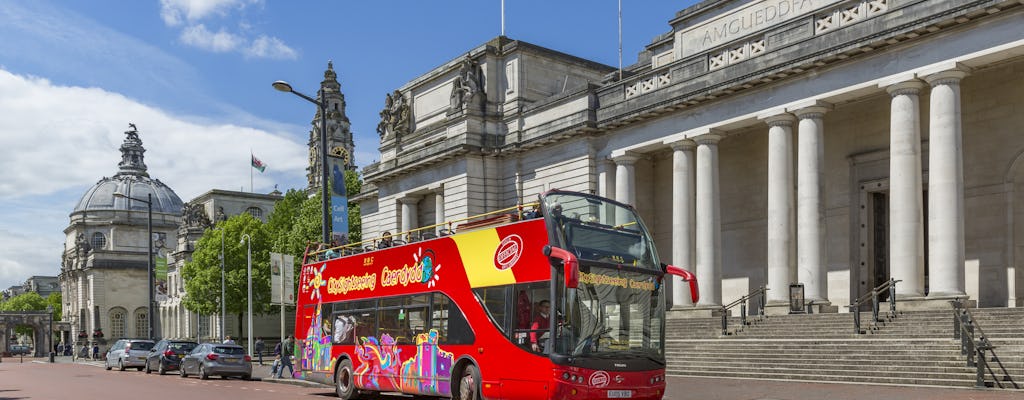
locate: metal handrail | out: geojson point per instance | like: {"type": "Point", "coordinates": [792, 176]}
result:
{"type": "Point", "coordinates": [742, 302]}
{"type": "Point", "coordinates": [964, 325]}
{"type": "Point", "coordinates": [889, 286]}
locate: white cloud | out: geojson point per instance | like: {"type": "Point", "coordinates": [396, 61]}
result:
{"type": "Point", "coordinates": [176, 12]}
{"type": "Point", "coordinates": [57, 141]}
{"type": "Point", "coordinates": [270, 47]}
{"type": "Point", "coordinates": [217, 42]}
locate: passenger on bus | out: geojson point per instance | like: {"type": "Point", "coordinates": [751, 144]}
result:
{"type": "Point", "coordinates": [540, 325]}
{"type": "Point", "coordinates": [385, 240]}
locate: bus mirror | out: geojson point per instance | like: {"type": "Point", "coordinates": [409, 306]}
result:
{"type": "Point", "coordinates": [688, 277]}
{"type": "Point", "coordinates": [569, 263]}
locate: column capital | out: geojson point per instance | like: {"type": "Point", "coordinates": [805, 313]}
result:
{"type": "Point", "coordinates": [682, 145]}
{"type": "Point", "coordinates": [409, 199]}
{"type": "Point", "coordinates": [947, 77]}
{"type": "Point", "coordinates": [909, 87]}
{"type": "Point", "coordinates": [626, 158]}
{"type": "Point", "coordinates": [813, 110]}
{"type": "Point", "coordinates": [709, 138]}
{"type": "Point", "coordinates": [781, 119]}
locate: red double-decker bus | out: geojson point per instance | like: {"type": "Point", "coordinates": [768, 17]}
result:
{"type": "Point", "coordinates": [565, 302]}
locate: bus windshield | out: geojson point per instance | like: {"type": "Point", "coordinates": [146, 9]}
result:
{"type": "Point", "coordinates": [617, 309]}
{"type": "Point", "coordinates": [598, 229]}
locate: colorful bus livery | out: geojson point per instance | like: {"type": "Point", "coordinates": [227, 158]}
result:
{"type": "Point", "coordinates": [570, 305]}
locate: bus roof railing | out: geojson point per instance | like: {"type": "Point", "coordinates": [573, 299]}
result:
{"type": "Point", "coordinates": [423, 233]}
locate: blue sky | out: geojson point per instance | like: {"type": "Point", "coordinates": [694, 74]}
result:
{"type": "Point", "coordinates": [195, 75]}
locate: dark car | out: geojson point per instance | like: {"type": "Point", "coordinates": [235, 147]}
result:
{"type": "Point", "coordinates": [219, 359]}
{"type": "Point", "coordinates": [20, 349]}
{"type": "Point", "coordinates": [167, 355]}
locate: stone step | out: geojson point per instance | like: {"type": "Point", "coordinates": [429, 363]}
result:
{"type": "Point", "coordinates": [961, 381]}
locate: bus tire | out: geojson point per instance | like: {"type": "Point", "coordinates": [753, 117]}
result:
{"type": "Point", "coordinates": [469, 384]}
{"type": "Point", "coordinates": [344, 380]}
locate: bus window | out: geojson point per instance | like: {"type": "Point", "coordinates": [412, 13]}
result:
{"type": "Point", "coordinates": [449, 322]}
{"type": "Point", "coordinates": [494, 300]}
{"type": "Point", "coordinates": [394, 317]}
{"type": "Point", "coordinates": [531, 314]}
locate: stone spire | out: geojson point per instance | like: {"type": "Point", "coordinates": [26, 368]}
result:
{"type": "Point", "coordinates": [339, 134]}
{"type": "Point", "coordinates": [132, 154]}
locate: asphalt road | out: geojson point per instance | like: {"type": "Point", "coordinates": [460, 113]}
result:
{"type": "Point", "coordinates": [35, 379]}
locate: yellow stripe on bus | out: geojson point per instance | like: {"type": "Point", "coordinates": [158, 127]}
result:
{"type": "Point", "coordinates": [477, 251]}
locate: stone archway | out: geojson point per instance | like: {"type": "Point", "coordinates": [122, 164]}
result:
{"type": "Point", "coordinates": [38, 320]}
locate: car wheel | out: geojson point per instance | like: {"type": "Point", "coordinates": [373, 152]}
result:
{"type": "Point", "coordinates": [181, 371]}
{"type": "Point", "coordinates": [148, 371]}
{"type": "Point", "coordinates": [106, 364]}
{"type": "Point", "coordinates": [120, 365]}
{"type": "Point", "coordinates": [344, 384]}
{"type": "Point", "coordinates": [139, 368]}
{"type": "Point", "coordinates": [246, 377]}
{"type": "Point", "coordinates": [160, 368]}
{"type": "Point", "coordinates": [469, 385]}
{"type": "Point", "coordinates": [202, 373]}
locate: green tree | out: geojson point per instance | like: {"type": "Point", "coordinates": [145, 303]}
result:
{"type": "Point", "coordinates": [354, 185]}
{"type": "Point", "coordinates": [30, 301]}
{"type": "Point", "coordinates": [202, 275]}
{"type": "Point", "coordinates": [55, 300]}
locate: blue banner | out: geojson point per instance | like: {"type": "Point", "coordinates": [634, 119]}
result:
{"type": "Point", "coordinates": [339, 201]}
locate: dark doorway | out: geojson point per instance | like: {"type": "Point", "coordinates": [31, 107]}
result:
{"type": "Point", "coordinates": [879, 265]}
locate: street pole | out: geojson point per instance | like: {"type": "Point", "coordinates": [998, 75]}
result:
{"type": "Point", "coordinates": [282, 294]}
{"type": "Point", "coordinates": [248, 256]}
{"type": "Point", "coordinates": [49, 313]}
{"type": "Point", "coordinates": [222, 298]}
{"type": "Point", "coordinates": [325, 200]}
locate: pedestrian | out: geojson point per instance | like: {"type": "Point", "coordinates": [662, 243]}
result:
{"type": "Point", "coordinates": [60, 349]}
{"type": "Point", "coordinates": [84, 353]}
{"type": "Point", "coordinates": [228, 340]}
{"type": "Point", "coordinates": [95, 351]}
{"type": "Point", "coordinates": [277, 360]}
{"type": "Point", "coordinates": [259, 348]}
{"type": "Point", "coordinates": [287, 348]}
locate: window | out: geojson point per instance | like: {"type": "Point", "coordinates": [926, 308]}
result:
{"type": "Point", "coordinates": [256, 212]}
{"type": "Point", "coordinates": [494, 299]}
{"type": "Point", "coordinates": [117, 322]}
{"type": "Point", "coordinates": [141, 323]}
{"type": "Point", "coordinates": [449, 322]}
{"type": "Point", "coordinates": [98, 240]}
{"type": "Point", "coordinates": [396, 315]}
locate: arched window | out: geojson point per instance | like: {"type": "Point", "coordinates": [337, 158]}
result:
{"type": "Point", "coordinates": [117, 322]}
{"type": "Point", "coordinates": [98, 240]}
{"type": "Point", "coordinates": [256, 212]}
{"type": "Point", "coordinates": [141, 323]}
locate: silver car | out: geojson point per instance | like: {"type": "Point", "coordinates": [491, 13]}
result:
{"type": "Point", "coordinates": [223, 360]}
{"type": "Point", "coordinates": [128, 353]}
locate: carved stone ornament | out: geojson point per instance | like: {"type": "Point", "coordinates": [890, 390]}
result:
{"type": "Point", "coordinates": [195, 216]}
{"type": "Point", "coordinates": [467, 88]}
{"type": "Point", "coordinates": [394, 118]}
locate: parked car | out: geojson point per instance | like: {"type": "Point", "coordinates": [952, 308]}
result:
{"type": "Point", "coordinates": [217, 359]}
{"type": "Point", "coordinates": [167, 355]}
{"type": "Point", "coordinates": [18, 349]}
{"type": "Point", "coordinates": [128, 353]}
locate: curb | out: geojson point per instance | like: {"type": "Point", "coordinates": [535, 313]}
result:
{"type": "Point", "coordinates": [294, 382]}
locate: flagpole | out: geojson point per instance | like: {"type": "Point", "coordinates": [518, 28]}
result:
{"type": "Point", "coordinates": [502, 17]}
{"type": "Point", "coordinates": [251, 156]}
{"type": "Point", "coordinates": [620, 40]}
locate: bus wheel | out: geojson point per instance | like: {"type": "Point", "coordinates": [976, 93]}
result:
{"type": "Point", "coordinates": [343, 380]}
{"type": "Point", "coordinates": [469, 385]}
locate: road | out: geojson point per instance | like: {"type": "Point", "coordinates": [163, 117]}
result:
{"type": "Point", "coordinates": [34, 379]}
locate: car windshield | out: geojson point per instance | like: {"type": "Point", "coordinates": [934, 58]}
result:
{"type": "Point", "coordinates": [142, 345]}
{"type": "Point", "coordinates": [182, 346]}
{"type": "Point", "coordinates": [229, 350]}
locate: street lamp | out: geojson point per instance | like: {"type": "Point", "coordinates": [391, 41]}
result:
{"type": "Point", "coordinates": [149, 255]}
{"type": "Point", "coordinates": [248, 256]}
{"type": "Point", "coordinates": [285, 87]}
{"type": "Point", "coordinates": [222, 298]}
{"type": "Point", "coordinates": [49, 314]}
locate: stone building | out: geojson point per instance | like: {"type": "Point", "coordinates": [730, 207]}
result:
{"type": "Point", "coordinates": [339, 133]}
{"type": "Point", "coordinates": [834, 143]}
{"type": "Point", "coordinates": [103, 278]}
{"type": "Point", "coordinates": [42, 285]}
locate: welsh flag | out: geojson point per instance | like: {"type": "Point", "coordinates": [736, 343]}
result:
{"type": "Point", "coordinates": [256, 163]}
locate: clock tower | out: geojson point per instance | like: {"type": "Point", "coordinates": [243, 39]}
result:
{"type": "Point", "coordinates": [339, 133]}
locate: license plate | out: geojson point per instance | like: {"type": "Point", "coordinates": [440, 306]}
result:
{"type": "Point", "coordinates": [141, 358]}
{"type": "Point", "coordinates": [230, 360]}
{"type": "Point", "coordinates": [620, 394]}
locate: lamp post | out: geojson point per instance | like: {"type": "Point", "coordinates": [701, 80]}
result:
{"type": "Point", "coordinates": [285, 87]}
{"type": "Point", "coordinates": [248, 256]}
{"type": "Point", "coordinates": [149, 254]}
{"type": "Point", "coordinates": [49, 314]}
{"type": "Point", "coordinates": [222, 298]}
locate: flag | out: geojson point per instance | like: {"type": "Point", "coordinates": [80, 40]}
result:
{"type": "Point", "coordinates": [256, 163]}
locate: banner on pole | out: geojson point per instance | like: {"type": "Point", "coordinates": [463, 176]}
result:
{"type": "Point", "coordinates": [339, 200]}
{"type": "Point", "coordinates": [282, 268]}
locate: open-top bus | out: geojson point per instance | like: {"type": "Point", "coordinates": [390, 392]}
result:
{"type": "Point", "coordinates": [565, 302]}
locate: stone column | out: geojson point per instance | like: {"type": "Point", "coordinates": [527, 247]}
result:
{"type": "Point", "coordinates": [945, 187]}
{"type": "Point", "coordinates": [625, 178]}
{"type": "Point", "coordinates": [606, 179]}
{"type": "Point", "coordinates": [781, 243]}
{"type": "Point", "coordinates": [683, 215]}
{"type": "Point", "coordinates": [709, 229]}
{"type": "Point", "coordinates": [439, 209]}
{"type": "Point", "coordinates": [810, 202]}
{"type": "Point", "coordinates": [906, 213]}
{"type": "Point", "coordinates": [410, 213]}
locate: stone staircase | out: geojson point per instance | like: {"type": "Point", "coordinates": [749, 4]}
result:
{"type": "Point", "coordinates": [912, 348]}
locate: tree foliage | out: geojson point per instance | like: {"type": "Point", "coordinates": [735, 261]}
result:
{"type": "Point", "coordinates": [202, 275]}
{"type": "Point", "coordinates": [30, 301]}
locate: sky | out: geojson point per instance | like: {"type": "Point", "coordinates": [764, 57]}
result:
{"type": "Point", "coordinates": [195, 77]}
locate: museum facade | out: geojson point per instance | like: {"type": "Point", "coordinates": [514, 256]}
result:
{"type": "Point", "coordinates": [833, 143]}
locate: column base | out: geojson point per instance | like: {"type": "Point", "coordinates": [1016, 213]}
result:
{"type": "Point", "coordinates": [694, 312]}
{"type": "Point", "coordinates": [930, 303]}
{"type": "Point", "coordinates": [821, 307]}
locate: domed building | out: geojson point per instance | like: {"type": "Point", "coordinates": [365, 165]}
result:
{"type": "Point", "coordinates": [104, 275]}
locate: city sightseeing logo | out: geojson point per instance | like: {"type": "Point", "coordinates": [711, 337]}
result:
{"type": "Point", "coordinates": [599, 379]}
{"type": "Point", "coordinates": [508, 252]}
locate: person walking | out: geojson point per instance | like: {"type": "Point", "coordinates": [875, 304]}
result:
{"type": "Point", "coordinates": [228, 340]}
{"type": "Point", "coordinates": [277, 360]}
{"type": "Point", "coordinates": [287, 348]}
{"type": "Point", "coordinates": [95, 351]}
{"type": "Point", "coordinates": [259, 348]}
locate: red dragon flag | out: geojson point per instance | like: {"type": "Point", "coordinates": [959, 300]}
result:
{"type": "Point", "coordinates": [256, 163]}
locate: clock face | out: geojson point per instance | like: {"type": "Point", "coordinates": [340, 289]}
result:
{"type": "Point", "coordinates": [340, 152]}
